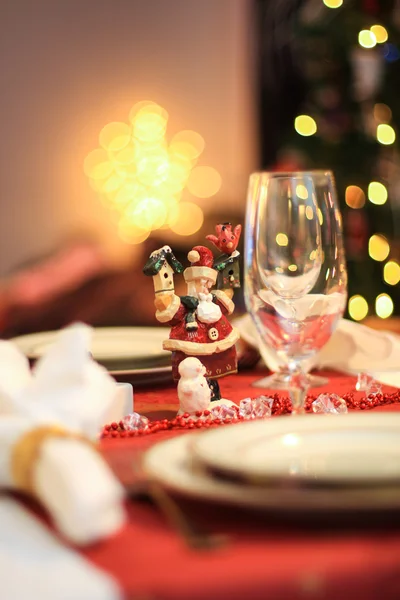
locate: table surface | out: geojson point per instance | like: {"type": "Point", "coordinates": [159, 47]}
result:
{"type": "Point", "coordinates": [266, 557]}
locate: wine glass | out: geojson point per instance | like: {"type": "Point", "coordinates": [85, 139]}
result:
{"type": "Point", "coordinates": [295, 272]}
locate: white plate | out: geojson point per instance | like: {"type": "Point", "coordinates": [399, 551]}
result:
{"type": "Point", "coordinates": [108, 343]}
{"type": "Point", "coordinates": [171, 464]}
{"type": "Point", "coordinates": [320, 449]}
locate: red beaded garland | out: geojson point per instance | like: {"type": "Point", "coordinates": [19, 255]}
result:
{"type": "Point", "coordinates": [281, 406]}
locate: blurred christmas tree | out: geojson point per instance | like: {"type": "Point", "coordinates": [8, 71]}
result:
{"type": "Point", "coordinates": [343, 59]}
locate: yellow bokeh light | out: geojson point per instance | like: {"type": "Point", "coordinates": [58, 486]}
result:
{"type": "Point", "coordinates": [355, 197]}
{"type": "Point", "coordinates": [385, 134]}
{"type": "Point", "coordinates": [380, 33]}
{"type": "Point", "coordinates": [378, 247]}
{"type": "Point", "coordinates": [382, 113]}
{"type": "Point", "coordinates": [301, 191]}
{"type": "Point", "coordinates": [97, 164]}
{"type": "Point", "coordinates": [305, 125]}
{"type": "Point", "coordinates": [282, 239]}
{"type": "Point", "coordinates": [309, 213]}
{"type": "Point", "coordinates": [130, 233]}
{"type": "Point", "coordinates": [115, 136]}
{"type": "Point", "coordinates": [333, 3]}
{"type": "Point", "coordinates": [391, 272]}
{"type": "Point", "coordinates": [377, 193]}
{"type": "Point", "coordinates": [384, 306]}
{"type": "Point", "coordinates": [124, 157]}
{"type": "Point", "coordinates": [204, 182]}
{"type": "Point", "coordinates": [188, 144]}
{"type": "Point", "coordinates": [153, 169]}
{"type": "Point", "coordinates": [150, 123]}
{"type": "Point", "coordinates": [113, 183]}
{"type": "Point", "coordinates": [320, 217]}
{"type": "Point", "coordinates": [358, 307]}
{"type": "Point", "coordinates": [149, 213]}
{"type": "Point", "coordinates": [188, 219]}
{"type": "Point", "coordinates": [366, 39]}
{"type": "Point", "coordinates": [292, 268]}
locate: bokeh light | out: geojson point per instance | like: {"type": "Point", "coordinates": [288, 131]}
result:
{"type": "Point", "coordinates": [377, 193]}
{"type": "Point", "coordinates": [204, 182]}
{"type": "Point", "coordinates": [141, 177]}
{"type": "Point", "coordinates": [305, 125]}
{"type": "Point", "coordinates": [188, 220]}
{"type": "Point", "coordinates": [384, 306]}
{"type": "Point", "coordinates": [391, 272]}
{"type": "Point", "coordinates": [282, 239]}
{"type": "Point", "coordinates": [358, 307]}
{"type": "Point", "coordinates": [115, 136]}
{"type": "Point", "coordinates": [355, 197]}
{"type": "Point", "coordinates": [301, 191]}
{"type": "Point", "coordinates": [333, 3]}
{"type": "Point", "coordinates": [382, 113]}
{"type": "Point", "coordinates": [385, 134]}
{"type": "Point", "coordinates": [366, 39]}
{"type": "Point", "coordinates": [380, 33]}
{"type": "Point", "coordinates": [378, 247]}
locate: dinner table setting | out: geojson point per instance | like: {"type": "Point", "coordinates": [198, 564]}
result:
{"type": "Point", "coordinates": [215, 454]}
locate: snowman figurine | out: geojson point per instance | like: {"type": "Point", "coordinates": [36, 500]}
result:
{"type": "Point", "coordinates": [193, 390]}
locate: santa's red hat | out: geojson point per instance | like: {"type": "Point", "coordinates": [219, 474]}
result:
{"type": "Point", "coordinates": [201, 263]}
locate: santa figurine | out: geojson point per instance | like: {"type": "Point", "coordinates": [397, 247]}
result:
{"type": "Point", "coordinates": [198, 321]}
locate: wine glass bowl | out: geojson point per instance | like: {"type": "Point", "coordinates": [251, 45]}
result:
{"type": "Point", "coordinates": [295, 274]}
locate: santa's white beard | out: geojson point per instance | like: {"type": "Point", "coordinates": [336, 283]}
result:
{"type": "Point", "coordinates": [207, 311]}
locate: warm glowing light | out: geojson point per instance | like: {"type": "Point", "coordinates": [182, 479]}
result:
{"type": "Point", "coordinates": [384, 306]}
{"type": "Point", "coordinates": [302, 192]}
{"type": "Point", "coordinates": [309, 213]}
{"type": "Point", "coordinates": [204, 182]}
{"type": "Point", "coordinates": [320, 216]}
{"type": "Point", "coordinates": [382, 113]}
{"type": "Point", "coordinates": [150, 123]}
{"type": "Point", "coordinates": [131, 233]}
{"type": "Point", "coordinates": [377, 193]}
{"type": "Point", "coordinates": [366, 39]}
{"type": "Point", "coordinates": [188, 144]}
{"type": "Point", "coordinates": [115, 136]}
{"type": "Point", "coordinates": [282, 239]}
{"type": "Point", "coordinates": [141, 177]}
{"type": "Point", "coordinates": [292, 268]}
{"type": "Point", "coordinates": [97, 164]}
{"type": "Point", "coordinates": [378, 247]}
{"type": "Point", "coordinates": [333, 3]}
{"type": "Point", "coordinates": [188, 220]}
{"type": "Point", "coordinates": [358, 307]}
{"type": "Point", "coordinates": [355, 197]}
{"type": "Point", "coordinates": [385, 134]}
{"type": "Point", "coordinates": [380, 33]}
{"type": "Point", "coordinates": [305, 125]}
{"type": "Point", "coordinates": [391, 272]}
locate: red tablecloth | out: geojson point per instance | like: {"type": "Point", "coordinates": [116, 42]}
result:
{"type": "Point", "coordinates": [265, 558]}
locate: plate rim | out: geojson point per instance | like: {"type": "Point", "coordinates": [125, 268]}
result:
{"type": "Point", "coordinates": [296, 499]}
{"type": "Point", "coordinates": [224, 462]}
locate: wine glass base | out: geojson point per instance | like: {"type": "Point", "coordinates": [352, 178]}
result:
{"type": "Point", "coordinates": [280, 381]}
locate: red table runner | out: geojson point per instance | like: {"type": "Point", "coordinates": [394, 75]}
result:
{"type": "Point", "coordinates": [266, 557]}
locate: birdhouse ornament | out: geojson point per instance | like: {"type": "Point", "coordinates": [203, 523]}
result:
{"type": "Point", "coordinates": [227, 263]}
{"type": "Point", "coordinates": [198, 321]}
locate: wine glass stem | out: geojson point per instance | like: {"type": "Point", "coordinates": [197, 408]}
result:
{"type": "Point", "coordinates": [298, 386]}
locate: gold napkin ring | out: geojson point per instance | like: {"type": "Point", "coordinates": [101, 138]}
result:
{"type": "Point", "coordinates": [26, 452]}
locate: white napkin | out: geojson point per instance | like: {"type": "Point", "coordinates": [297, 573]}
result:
{"type": "Point", "coordinates": [68, 389]}
{"type": "Point", "coordinates": [353, 348]}
{"type": "Point", "coordinates": [36, 565]}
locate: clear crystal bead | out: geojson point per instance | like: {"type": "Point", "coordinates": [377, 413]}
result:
{"type": "Point", "coordinates": [134, 421]}
{"type": "Point", "coordinates": [256, 408]}
{"type": "Point", "coordinates": [329, 404]}
{"type": "Point", "coordinates": [223, 412]}
{"type": "Point", "coordinates": [366, 383]}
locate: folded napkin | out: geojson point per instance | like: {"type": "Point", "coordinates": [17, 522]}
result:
{"type": "Point", "coordinates": [49, 421]}
{"type": "Point", "coordinates": [353, 348]}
